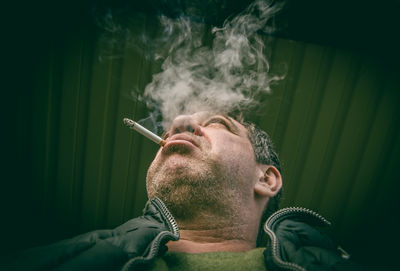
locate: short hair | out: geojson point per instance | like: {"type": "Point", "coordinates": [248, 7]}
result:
{"type": "Point", "coordinates": [265, 153]}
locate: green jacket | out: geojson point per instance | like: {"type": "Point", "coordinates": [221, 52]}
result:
{"type": "Point", "coordinates": [294, 244]}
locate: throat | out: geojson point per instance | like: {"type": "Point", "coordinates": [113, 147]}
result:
{"type": "Point", "coordinates": [229, 239]}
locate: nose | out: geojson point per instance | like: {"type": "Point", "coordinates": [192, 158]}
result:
{"type": "Point", "coordinates": [185, 123]}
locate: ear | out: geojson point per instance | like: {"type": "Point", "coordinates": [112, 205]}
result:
{"type": "Point", "coordinates": [269, 184]}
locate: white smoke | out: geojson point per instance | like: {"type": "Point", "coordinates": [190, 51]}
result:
{"type": "Point", "coordinates": [203, 69]}
{"type": "Point", "coordinates": [227, 74]}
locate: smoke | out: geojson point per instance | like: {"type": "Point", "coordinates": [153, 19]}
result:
{"type": "Point", "coordinates": [222, 69]}
{"type": "Point", "coordinates": [225, 76]}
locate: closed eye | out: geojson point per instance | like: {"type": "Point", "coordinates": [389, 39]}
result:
{"type": "Point", "coordinates": [217, 121]}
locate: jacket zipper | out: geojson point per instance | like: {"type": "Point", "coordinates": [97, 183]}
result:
{"type": "Point", "coordinates": [172, 225]}
{"type": "Point", "coordinates": [172, 234]}
{"type": "Point", "coordinates": [279, 216]}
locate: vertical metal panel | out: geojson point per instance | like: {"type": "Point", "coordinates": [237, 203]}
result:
{"type": "Point", "coordinates": [306, 102]}
{"type": "Point", "coordinates": [370, 176]}
{"type": "Point", "coordinates": [352, 141]}
{"type": "Point", "coordinates": [71, 135]}
{"type": "Point", "coordinates": [337, 93]}
{"type": "Point", "coordinates": [334, 120]}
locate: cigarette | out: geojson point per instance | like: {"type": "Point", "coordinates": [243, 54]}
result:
{"type": "Point", "coordinates": [139, 128]}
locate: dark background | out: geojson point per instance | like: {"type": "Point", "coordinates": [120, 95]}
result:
{"type": "Point", "coordinates": [69, 166]}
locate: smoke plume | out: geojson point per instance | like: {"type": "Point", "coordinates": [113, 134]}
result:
{"type": "Point", "coordinates": [227, 75]}
{"type": "Point", "coordinates": [219, 69]}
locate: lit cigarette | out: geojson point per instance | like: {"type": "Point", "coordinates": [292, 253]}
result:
{"type": "Point", "coordinates": [139, 128]}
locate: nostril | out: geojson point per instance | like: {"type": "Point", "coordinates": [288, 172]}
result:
{"type": "Point", "coordinates": [184, 123]}
{"type": "Point", "coordinates": [189, 128]}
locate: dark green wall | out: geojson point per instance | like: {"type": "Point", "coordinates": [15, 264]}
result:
{"type": "Point", "coordinates": [70, 166]}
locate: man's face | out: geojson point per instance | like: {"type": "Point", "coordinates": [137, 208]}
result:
{"type": "Point", "coordinates": [208, 160]}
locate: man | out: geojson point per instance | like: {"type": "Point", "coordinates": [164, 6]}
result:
{"type": "Point", "coordinates": [211, 187]}
{"type": "Point", "coordinates": [208, 176]}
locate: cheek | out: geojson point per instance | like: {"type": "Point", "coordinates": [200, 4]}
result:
{"type": "Point", "coordinates": [156, 158]}
{"type": "Point", "coordinates": [152, 168]}
{"type": "Point", "coordinates": [236, 158]}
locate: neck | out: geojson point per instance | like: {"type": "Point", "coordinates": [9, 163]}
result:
{"type": "Point", "coordinates": [212, 237]}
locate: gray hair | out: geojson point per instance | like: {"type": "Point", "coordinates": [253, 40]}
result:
{"type": "Point", "coordinates": [265, 154]}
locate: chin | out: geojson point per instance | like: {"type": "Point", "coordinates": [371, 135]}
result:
{"type": "Point", "coordinates": [172, 176]}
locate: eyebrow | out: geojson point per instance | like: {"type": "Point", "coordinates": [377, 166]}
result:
{"type": "Point", "coordinates": [233, 125]}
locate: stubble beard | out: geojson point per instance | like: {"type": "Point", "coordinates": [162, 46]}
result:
{"type": "Point", "coordinates": [195, 188]}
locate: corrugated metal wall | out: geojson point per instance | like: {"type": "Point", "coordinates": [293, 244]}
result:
{"type": "Point", "coordinates": [334, 119]}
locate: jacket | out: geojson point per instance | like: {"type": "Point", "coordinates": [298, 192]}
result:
{"type": "Point", "coordinates": [294, 244]}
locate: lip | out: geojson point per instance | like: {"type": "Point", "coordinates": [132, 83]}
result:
{"type": "Point", "coordinates": [181, 139]}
